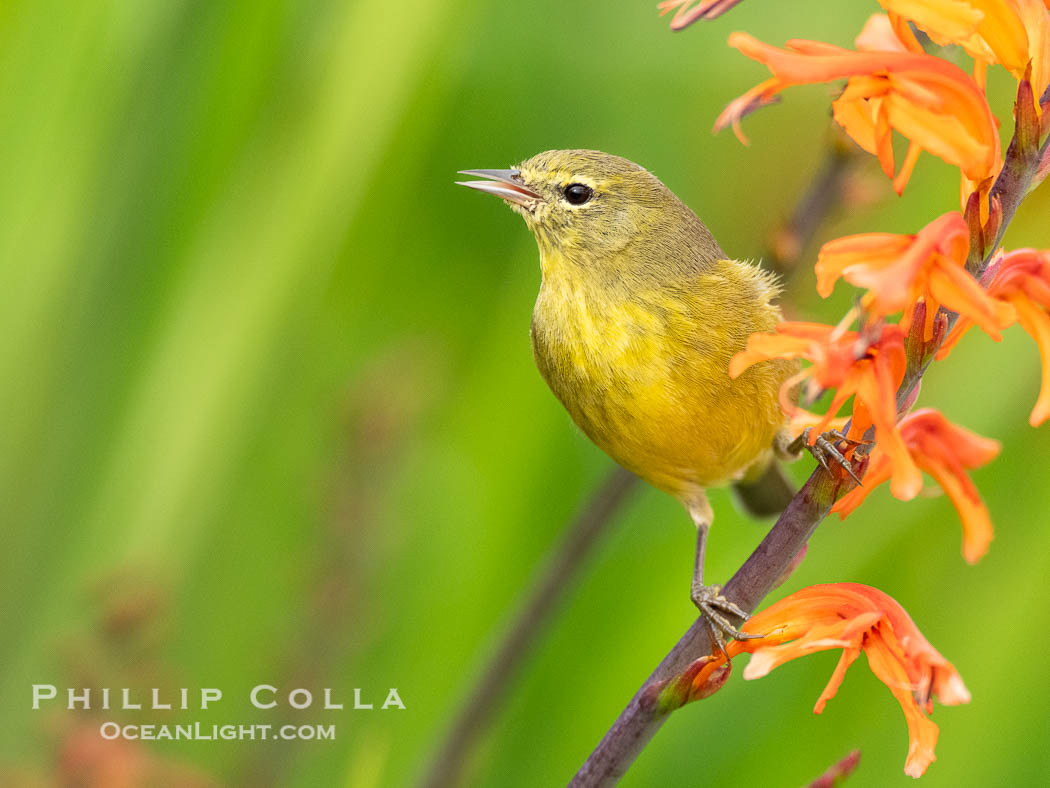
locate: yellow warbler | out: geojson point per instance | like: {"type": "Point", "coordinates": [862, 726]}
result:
{"type": "Point", "coordinates": [637, 318]}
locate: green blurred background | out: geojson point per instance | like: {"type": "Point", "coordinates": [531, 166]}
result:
{"type": "Point", "coordinates": [268, 412]}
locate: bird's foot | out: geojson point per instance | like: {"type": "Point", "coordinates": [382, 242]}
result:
{"type": "Point", "coordinates": [714, 608]}
{"type": "Point", "coordinates": [824, 450]}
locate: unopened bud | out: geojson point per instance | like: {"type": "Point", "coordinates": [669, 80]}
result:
{"type": "Point", "coordinates": [972, 213]}
{"type": "Point", "coordinates": [995, 219]}
{"type": "Point", "coordinates": [916, 343]}
{"type": "Point", "coordinates": [702, 679]}
{"type": "Point", "coordinates": [712, 683]}
{"type": "Point", "coordinates": [940, 330]}
{"type": "Point", "coordinates": [1026, 117]}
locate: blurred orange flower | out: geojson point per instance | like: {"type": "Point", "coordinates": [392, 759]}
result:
{"type": "Point", "coordinates": [898, 270]}
{"type": "Point", "coordinates": [933, 103]}
{"type": "Point", "coordinates": [854, 618]}
{"type": "Point", "coordinates": [868, 367]}
{"type": "Point", "coordinates": [1011, 33]}
{"type": "Point", "coordinates": [945, 451]}
{"type": "Point", "coordinates": [1021, 279]}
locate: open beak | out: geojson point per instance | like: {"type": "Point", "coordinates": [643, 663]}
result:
{"type": "Point", "coordinates": [503, 183]}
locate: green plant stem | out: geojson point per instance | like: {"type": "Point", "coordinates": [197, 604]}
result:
{"type": "Point", "coordinates": [562, 568]}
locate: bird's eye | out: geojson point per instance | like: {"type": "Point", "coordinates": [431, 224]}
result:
{"type": "Point", "coordinates": [577, 193]}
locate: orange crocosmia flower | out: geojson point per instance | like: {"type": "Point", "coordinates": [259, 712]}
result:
{"type": "Point", "coordinates": [1009, 32]}
{"type": "Point", "coordinates": [933, 103]}
{"type": "Point", "coordinates": [1021, 279]}
{"type": "Point", "coordinates": [855, 618]}
{"type": "Point", "coordinates": [870, 369]}
{"type": "Point", "coordinates": [945, 451]}
{"type": "Point", "coordinates": [899, 270]}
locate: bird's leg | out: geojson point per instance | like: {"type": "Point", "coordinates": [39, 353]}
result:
{"type": "Point", "coordinates": [713, 606]}
{"type": "Point", "coordinates": [823, 449]}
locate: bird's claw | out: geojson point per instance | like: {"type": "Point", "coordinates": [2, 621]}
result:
{"type": "Point", "coordinates": [823, 449]}
{"type": "Point", "coordinates": [713, 606]}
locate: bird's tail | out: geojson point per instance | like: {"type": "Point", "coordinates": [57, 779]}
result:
{"type": "Point", "coordinates": [767, 494]}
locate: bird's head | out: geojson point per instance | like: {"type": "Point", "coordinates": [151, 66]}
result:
{"type": "Point", "coordinates": [587, 206]}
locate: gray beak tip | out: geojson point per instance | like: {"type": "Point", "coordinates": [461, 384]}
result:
{"type": "Point", "coordinates": [506, 184]}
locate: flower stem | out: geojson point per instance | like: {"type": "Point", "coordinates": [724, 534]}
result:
{"type": "Point", "coordinates": [1019, 170]}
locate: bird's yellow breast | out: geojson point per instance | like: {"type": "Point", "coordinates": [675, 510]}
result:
{"type": "Point", "coordinates": [643, 370]}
